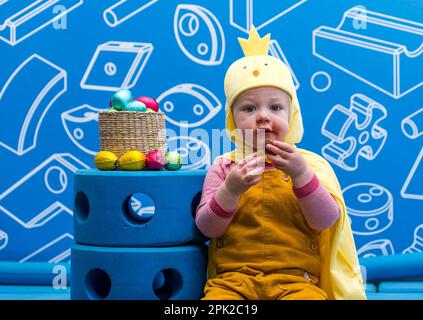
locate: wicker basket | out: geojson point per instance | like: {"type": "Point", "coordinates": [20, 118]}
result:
{"type": "Point", "coordinates": [122, 131]}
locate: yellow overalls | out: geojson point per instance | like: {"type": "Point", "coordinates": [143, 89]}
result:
{"type": "Point", "coordinates": [268, 251]}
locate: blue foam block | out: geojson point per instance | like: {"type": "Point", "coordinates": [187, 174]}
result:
{"type": "Point", "coordinates": [102, 216]}
{"type": "Point", "coordinates": [393, 266]}
{"type": "Point", "coordinates": [172, 273]}
{"type": "Point", "coordinates": [394, 296]}
{"type": "Point", "coordinates": [370, 287]}
{"type": "Point", "coordinates": [37, 273]}
{"type": "Point", "coordinates": [33, 293]}
{"type": "Point", "coordinates": [401, 286]}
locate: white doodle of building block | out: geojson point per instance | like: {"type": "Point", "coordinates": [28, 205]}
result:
{"type": "Point", "coordinates": [244, 13]}
{"type": "Point", "coordinates": [384, 54]}
{"type": "Point", "coordinates": [81, 126]}
{"type": "Point", "coordinates": [20, 19]}
{"type": "Point", "coordinates": [44, 82]}
{"type": "Point", "coordinates": [375, 248]}
{"type": "Point", "coordinates": [55, 251]}
{"type": "Point", "coordinates": [412, 186]}
{"type": "Point", "coordinates": [52, 180]}
{"type": "Point", "coordinates": [116, 65]}
{"type": "Point", "coordinates": [417, 245]}
{"type": "Point", "coordinates": [354, 132]}
{"type": "Point", "coordinates": [124, 10]}
{"type": "Point", "coordinates": [199, 34]}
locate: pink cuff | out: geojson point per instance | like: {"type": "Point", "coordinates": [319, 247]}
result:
{"type": "Point", "coordinates": [308, 188]}
{"type": "Point", "coordinates": [218, 210]}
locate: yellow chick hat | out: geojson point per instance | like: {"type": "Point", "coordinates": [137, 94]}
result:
{"type": "Point", "coordinates": [258, 69]}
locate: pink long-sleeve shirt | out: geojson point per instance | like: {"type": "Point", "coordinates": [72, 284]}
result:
{"type": "Point", "coordinates": [319, 208]}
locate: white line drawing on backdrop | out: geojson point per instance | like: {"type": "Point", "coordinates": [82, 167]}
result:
{"type": "Point", "coordinates": [242, 13]}
{"type": "Point", "coordinates": [412, 126]}
{"type": "Point", "coordinates": [195, 153]}
{"type": "Point", "coordinates": [384, 54]}
{"type": "Point", "coordinates": [417, 245]}
{"type": "Point", "coordinates": [49, 251]}
{"type": "Point", "coordinates": [199, 34]}
{"type": "Point", "coordinates": [124, 10]}
{"type": "Point", "coordinates": [370, 208]}
{"type": "Point", "coordinates": [203, 103]}
{"type": "Point", "coordinates": [321, 74]}
{"type": "Point", "coordinates": [382, 247]}
{"type": "Point", "coordinates": [52, 180]}
{"type": "Point", "coordinates": [4, 239]}
{"type": "Point", "coordinates": [412, 185]}
{"type": "Point", "coordinates": [110, 71]}
{"type": "Point", "coordinates": [32, 103]}
{"type": "Point", "coordinates": [21, 19]}
{"type": "Point", "coordinates": [81, 126]}
{"type": "Point", "coordinates": [354, 132]}
{"type": "Point", "coordinates": [277, 52]}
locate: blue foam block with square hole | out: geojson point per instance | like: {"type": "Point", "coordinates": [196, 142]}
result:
{"type": "Point", "coordinates": [395, 266]}
{"type": "Point", "coordinates": [168, 273]}
{"type": "Point", "coordinates": [102, 215]}
{"type": "Point", "coordinates": [401, 286]}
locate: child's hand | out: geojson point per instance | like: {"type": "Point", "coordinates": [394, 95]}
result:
{"type": "Point", "coordinates": [288, 159]}
{"type": "Point", "coordinates": [245, 174]}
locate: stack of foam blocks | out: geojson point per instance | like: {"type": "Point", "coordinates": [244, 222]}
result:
{"type": "Point", "coordinates": [130, 249]}
{"type": "Point", "coordinates": [394, 277]}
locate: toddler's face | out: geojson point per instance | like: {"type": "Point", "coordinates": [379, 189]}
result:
{"type": "Point", "coordinates": [262, 114]}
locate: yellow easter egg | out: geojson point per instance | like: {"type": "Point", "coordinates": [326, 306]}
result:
{"type": "Point", "coordinates": [105, 160]}
{"type": "Point", "coordinates": [132, 160]}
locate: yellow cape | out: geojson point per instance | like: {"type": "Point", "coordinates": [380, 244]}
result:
{"type": "Point", "coordinates": [340, 275]}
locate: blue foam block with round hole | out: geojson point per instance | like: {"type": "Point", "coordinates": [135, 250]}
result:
{"type": "Point", "coordinates": [395, 266]}
{"type": "Point", "coordinates": [168, 273]}
{"type": "Point", "coordinates": [104, 210]}
{"type": "Point", "coordinates": [401, 286]}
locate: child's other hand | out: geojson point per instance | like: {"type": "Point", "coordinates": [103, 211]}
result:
{"type": "Point", "coordinates": [287, 158]}
{"type": "Point", "coordinates": [245, 174]}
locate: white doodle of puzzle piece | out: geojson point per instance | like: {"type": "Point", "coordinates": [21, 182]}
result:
{"type": "Point", "coordinates": [412, 126]}
{"type": "Point", "coordinates": [81, 126]}
{"type": "Point", "coordinates": [116, 65]}
{"type": "Point", "coordinates": [4, 239]}
{"type": "Point", "coordinates": [195, 154]}
{"type": "Point", "coordinates": [189, 101]}
{"type": "Point", "coordinates": [276, 51]}
{"type": "Point", "coordinates": [380, 50]}
{"type": "Point", "coordinates": [20, 19]}
{"type": "Point", "coordinates": [382, 247]}
{"type": "Point", "coordinates": [55, 251]}
{"type": "Point", "coordinates": [124, 10]}
{"type": "Point", "coordinates": [354, 132]}
{"type": "Point", "coordinates": [52, 180]}
{"type": "Point", "coordinates": [22, 111]}
{"type": "Point", "coordinates": [417, 245]}
{"type": "Point", "coordinates": [244, 13]}
{"type": "Point", "coordinates": [199, 34]}
{"type": "Point", "coordinates": [370, 208]}
{"type": "Point", "coordinates": [412, 188]}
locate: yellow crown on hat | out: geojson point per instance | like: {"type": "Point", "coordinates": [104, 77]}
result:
{"type": "Point", "coordinates": [255, 46]}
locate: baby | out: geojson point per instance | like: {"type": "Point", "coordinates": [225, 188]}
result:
{"type": "Point", "coordinates": [275, 213]}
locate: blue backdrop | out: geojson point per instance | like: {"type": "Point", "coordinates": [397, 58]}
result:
{"type": "Point", "coordinates": [357, 66]}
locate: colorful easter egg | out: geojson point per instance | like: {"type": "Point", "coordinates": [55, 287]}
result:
{"type": "Point", "coordinates": [105, 160]}
{"type": "Point", "coordinates": [155, 160]}
{"type": "Point", "coordinates": [132, 160]}
{"type": "Point", "coordinates": [150, 103]}
{"type": "Point", "coordinates": [121, 98]}
{"type": "Point", "coordinates": [135, 106]}
{"type": "Point", "coordinates": [173, 160]}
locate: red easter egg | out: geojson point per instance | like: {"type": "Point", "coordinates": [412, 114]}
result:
{"type": "Point", "coordinates": [155, 160]}
{"type": "Point", "coordinates": [150, 103]}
